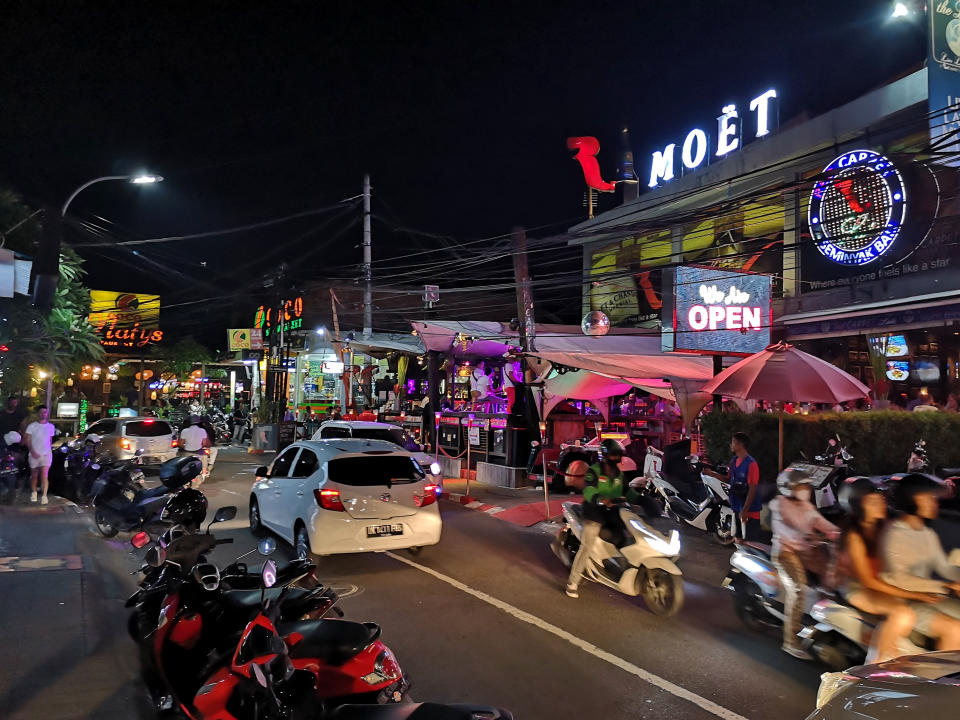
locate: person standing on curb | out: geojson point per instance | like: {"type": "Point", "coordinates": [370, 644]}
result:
{"type": "Point", "coordinates": [39, 436]}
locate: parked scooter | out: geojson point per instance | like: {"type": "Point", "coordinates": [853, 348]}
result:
{"type": "Point", "coordinates": [13, 455]}
{"type": "Point", "coordinates": [686, 493]}
{"type": "Point", "coordinates": [122, 504]}
{"type": "Point", "coordinates": [827, 473]}
{"type": "Point", "coordinates": [919, 462]}
{"type": "Point", "coordinates": [319, 664]}
{"type": "Point", "coordinates": [630, 557]}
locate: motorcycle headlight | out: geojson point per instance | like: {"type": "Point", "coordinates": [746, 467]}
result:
{"type": "Point", "coordinates": [670, 547]}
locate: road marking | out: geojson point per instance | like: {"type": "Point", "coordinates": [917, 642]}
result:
{"type": "Point", "coordinates": [588, 647]}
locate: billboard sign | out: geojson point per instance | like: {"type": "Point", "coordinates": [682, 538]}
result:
{"type": "Point", "coordinates": [943, 79]}
{"type": "Point", "coordinates": [716, 312]}
{"type": "Point", "coordinates": [125, 321]}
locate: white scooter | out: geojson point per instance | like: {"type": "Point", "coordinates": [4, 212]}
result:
{"type": "Point", "coordinates": [711, 514]}
{"type": "Point", "coordinates": [632, 558]}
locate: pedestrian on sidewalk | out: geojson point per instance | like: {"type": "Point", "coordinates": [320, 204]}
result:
{"type": "Point", "coordinates": [39, 435]}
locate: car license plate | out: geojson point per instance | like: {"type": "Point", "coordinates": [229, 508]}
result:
{"type": "Point", "coordinates": [384, 530]}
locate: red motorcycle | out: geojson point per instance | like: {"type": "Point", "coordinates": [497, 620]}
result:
{"type": "Point", "coordinates": [276, 666]}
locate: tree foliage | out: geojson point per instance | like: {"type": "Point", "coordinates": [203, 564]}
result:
{"type": "Point", "coordinates": [180, 357]}
{"type": "Point", "coordinates": [59, 341]}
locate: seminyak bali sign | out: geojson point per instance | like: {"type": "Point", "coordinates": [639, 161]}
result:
{"type": "Point", "coordinates": [715, 312]}
{"type": "Point", "coordinates": [697, 147]}
{"type": "Point", "coordinates": [856, 212]}
{"type": "Point", "coordinates": [125, 321]}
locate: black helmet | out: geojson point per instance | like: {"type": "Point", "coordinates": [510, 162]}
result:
{"type": "Point", "coordinates": [188, 508]}
{"type": "Point", "coordinates": [852, 493]}
{"type": "Point", "coordinates": [610, 449]}
{"type": "Point", "coordinates": [906, 491]}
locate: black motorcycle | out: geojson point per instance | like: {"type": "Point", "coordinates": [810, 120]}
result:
{"type": "Point", "coordinates": [122, 503]}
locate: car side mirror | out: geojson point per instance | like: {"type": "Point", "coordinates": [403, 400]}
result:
{"type": "Point", "coordinates": [267, 546]}
{"type": "Point", "coordinates": [225, 513]}
{"type": "Point", "coordinates": [262, 471]}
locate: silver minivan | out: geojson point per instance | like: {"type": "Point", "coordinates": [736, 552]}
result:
{"type": "Point", "coordinates": [123, 436]}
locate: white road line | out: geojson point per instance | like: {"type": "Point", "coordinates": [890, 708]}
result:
{"type": "Point", "coordinates": [645, 675]}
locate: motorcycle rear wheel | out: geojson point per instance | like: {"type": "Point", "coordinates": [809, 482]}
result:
{"type": "Point", "coordinates": [662, 592]}
{"type": "Point", "coordinates": [748, 608]}
{"type": "Point", "coordinates": [103, 525]}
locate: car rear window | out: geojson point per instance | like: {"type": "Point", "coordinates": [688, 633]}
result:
{"type": "Point", "coordinates": [145, 428]}
{"type": "Point", "coordinates": [393, 435]}
{"type": "Point", "coordinates": [374, 470]}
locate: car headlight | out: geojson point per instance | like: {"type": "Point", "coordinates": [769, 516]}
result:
{"type": "Point", "coordinates": [831, 684]}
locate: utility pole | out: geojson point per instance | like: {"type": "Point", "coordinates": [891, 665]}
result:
{"type": "Point", "coordinates": [367, 274]}
{"type": "Point", "coordinates": [521, 273]}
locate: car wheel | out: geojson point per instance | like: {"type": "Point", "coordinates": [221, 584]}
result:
{"type": "Point", "coordinates": [256, 524]}
{"type": "Point", "coordinates": [103, 525]}
{"type": "Point", "coordinates": [301, 543]}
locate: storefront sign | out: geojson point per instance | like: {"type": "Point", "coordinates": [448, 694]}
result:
{"type": "Point", "coordinates": [332, 367]}
{"type": "Point", "coordinates": [125, 321]}
{"type": "Point", "coordinates": [717, 312]}
{"type": "Point", "coordinates": [943, 80]}
{"type": "Point", "coordinates": [238, 339]}
{"type": "Point", "coordinates": [857, 211]}
{"type": "Point", "coordinates": [696, 147]}
{"type": "Point", "coordinates": [288, 315]}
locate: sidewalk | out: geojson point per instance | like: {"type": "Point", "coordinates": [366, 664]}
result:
{"type": "Point", "coordinates": [62, 620]}
{"type": "Point", "coordinates": [520, 506]}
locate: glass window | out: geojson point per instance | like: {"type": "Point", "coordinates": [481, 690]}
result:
{"type": "Point", "coordinates": [281, 466]}
{"type": "Point", "coordinates": [395, 435]}
{"type": "Point", "coordinates": [147, 428]}
{"type": "Point", "coordinates": [334, 432]}
{"type": "Point", "coordinates": [104, 427]}
{"type": "Point", "coordinates": [374, 470]}
{"type": "Point", "coordinates": [306, 464]}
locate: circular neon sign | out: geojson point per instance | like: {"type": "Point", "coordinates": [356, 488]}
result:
{"type": "Point", "coordinates": [856, 212]}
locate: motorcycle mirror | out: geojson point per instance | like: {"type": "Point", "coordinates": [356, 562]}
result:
{"type": "Point", "coordinates": [269, 574]}
{"type": "Point", "coordinates": [139, 452]}
{"type": "Point", "coordinates": [226, 513]}
{"type": "Point", "coordinates": [267, 546]}
{"type": "Point", "coordinates": [155, 556]}
{"type": "Point", "coordinates": [258, 674]}
{"type": "Point", "coordinates": [141, 539]}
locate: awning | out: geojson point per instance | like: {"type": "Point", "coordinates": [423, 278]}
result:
{"type": "Point", "coordinates": [938, 309]}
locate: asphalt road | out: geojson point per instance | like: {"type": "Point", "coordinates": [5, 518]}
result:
{"type": "Point", "coordinates": [480, 617]}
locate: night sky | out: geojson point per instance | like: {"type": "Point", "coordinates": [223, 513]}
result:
{"type": "Point", "coordinates": [460, 111]}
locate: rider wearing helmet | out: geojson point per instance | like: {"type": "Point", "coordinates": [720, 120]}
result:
{"type": "Point", "coordinates": [794, 519]}
{"type": "Point", "coordinates": [913, 557]}
{"type": "Point", "coordinates": [603, 490]}
{"type": "Point", "coordinates": [188, 508]}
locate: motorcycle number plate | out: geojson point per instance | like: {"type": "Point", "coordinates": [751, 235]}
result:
{"type": "Point", "coordinates": [384, 530]}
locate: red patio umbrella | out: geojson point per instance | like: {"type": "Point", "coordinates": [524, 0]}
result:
{"type": "Point", "coordinates": [781, 373]}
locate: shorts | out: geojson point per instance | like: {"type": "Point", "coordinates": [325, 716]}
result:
{"type": "Point", "coordinates": [926, 613]}
{"type": "Point", "coordinates": [44, 461]}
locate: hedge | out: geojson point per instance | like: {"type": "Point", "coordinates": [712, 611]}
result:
{"type": "Point", "coordinates": [880, 440]}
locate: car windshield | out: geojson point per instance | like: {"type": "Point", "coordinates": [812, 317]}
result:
{"type": "Point", "coordinates": [374, 470]}
{"type": "Point", "coordinates": [395, 435]}
{"type": "Point", "coordinates": [147, 428]}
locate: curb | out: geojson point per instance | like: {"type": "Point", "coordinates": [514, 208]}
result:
{"type": "Point", "coordinates": [472, 504]}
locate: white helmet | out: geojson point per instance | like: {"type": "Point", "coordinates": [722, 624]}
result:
{"type": "Point", "coordinates": [12, 437]}
{"type": "Point", "coordinates": [790, 479]}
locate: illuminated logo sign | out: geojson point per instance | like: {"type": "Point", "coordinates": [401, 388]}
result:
{"type": "Point", "coordinates": [695, 149]}
{"type": "Point", "coordinates": [287, 316]}
{"type": "Point", "coordinates": [856, 212]}
{"type": "Point", "coordinates": [125, 321]}
{"type": "Point", "coordinates": [716, 311]}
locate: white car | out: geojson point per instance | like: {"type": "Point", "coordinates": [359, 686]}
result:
{"type": "Point", "coordinates": [329, 497]}
{"type": "Point", "coordinates": [122, 437]}
{"type": "Point", "coordinates": [339, 429]}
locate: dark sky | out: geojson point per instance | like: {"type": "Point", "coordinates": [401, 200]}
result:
{"type": "Point", "coordinates": [459, 111]}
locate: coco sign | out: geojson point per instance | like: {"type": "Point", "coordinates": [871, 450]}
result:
{"type": "Point", "coordinates": [856, 211]}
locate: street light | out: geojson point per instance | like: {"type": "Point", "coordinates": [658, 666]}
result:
{"type": "Point", "coordinates": [142, 179]}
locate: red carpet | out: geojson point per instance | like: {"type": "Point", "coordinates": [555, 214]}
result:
{"type": "Point", "coordinates": [532, 513]}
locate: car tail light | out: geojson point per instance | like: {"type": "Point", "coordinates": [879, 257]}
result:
{"type": "Point", "coordinates": [124, 444]}
{"type": "Point", "coordinates": [329, 500]}
{"type": "Point", "coordinates": [429, 496]}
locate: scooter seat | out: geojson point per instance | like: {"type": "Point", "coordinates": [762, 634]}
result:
{"type": "Point", "coordinates": [331, 641]}
{"type": "Point", "coordinates": [244, 603]}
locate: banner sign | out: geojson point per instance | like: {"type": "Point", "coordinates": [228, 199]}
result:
{"type": "Point", "coordinates": [238, 339]}
{"type": "Point", "coordinates": [716, 312]}
{"type": "Point", "coordinates": [943, 79]}
{"type": "Point", "coordinates": [125, 321]}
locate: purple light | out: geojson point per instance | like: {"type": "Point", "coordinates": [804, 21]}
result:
{"type": "Point", "coordinates": [411, 387]}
